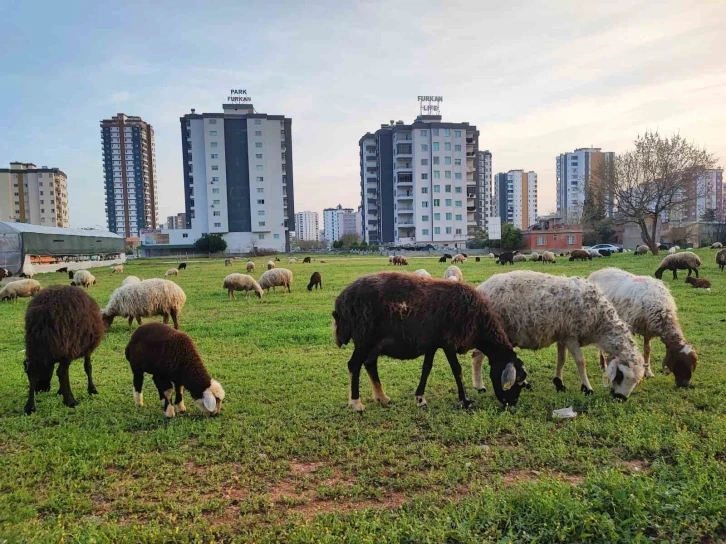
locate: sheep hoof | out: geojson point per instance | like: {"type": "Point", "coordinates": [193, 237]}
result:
{"type": "Point", "coordinates": [649, 372]}
{"type": "Point", "coordinates": [71, 403]}
{"type": "Point", "coordinates": [482, 390]}
{"type": "Point", "coordinates": [384, 400]}
{"type": "Point", "coordinates": [29, 408]}
{"type": "Point", "coordinates": [181, 408]}
{"type": "Point", "coordinates": [559, 386]}
{"type": "Point", "coordinates": [169, 412]}
{"type": "Point", "coordinates": [467, 404]}
{"type": "Point", "coordinates": [92, 390]}
{"type": "Point", "coordinates": [356, 405]}
{"type": "Point", "coordinates": [586, 390]}
{"type": "Point", "coordinates": [421, 401]}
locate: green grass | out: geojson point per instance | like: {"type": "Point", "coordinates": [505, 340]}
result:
{"type": "Point", "coordinates": [288, 461]}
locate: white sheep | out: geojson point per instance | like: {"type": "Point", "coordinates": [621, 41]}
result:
{"type": "Point", "coordinates": [83, 278]}
{"type": "Point", "coordinates": [716, 245]}
{"type": "Point", "coordinates": [277, 277]}
{"type": "Point", "coordinates": [595, 253]}
{"type": "Point", "coordinates": [145, 299]}
{"type": "Point", "coordinates": [117, 269]}
{"type": "Point", "coordinates": [421, 272]}
{"type": "Point", "coordinates": [535, 256]}
{"type": "Point", "coordinates": [538, 310]}
{"type": "Point", "coordinates": [270, 264]}
{"type": "Point", "coordinates": [673, 250]}
{"type": "Point", "coordinates": [453, 273]}
{"type": "Point", "coordinates": [171, 272]}
{"type": "Point", "coordinates": [250, 266]}
{"type": "Point", "coordinates": [241, 282]}
{"type": "Point", "coordinates": [648, 308]}
{"type": "Point", "coordinates": [458, 258]}
{"type": "Point", "coordinates": [129, 280]}
{"type": "Point", "coordinates": [292, 260]}
{"type": "Point", "coordinates": [519, 258]}
{"type": "Point", "coordinates": [491, 256]}
{"type": "Point", "coordinates": [548, 257]}
{"type": "Point", "coordinates": [19, 289]}
{"type": "Point", "coordinates": [641, 250]}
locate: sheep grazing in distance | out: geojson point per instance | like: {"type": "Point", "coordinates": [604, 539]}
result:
{"type": "Point", "coordinates": [70, 274]}
{"type": "Point", "coordinates": [306, 260]}
{"type": "Point", "coordinates": [19, 289]}
{"type": "Point", "coordinates": [519, 258]}
{"type": "Point", "coordinates": [83, 278]}
{"type": "Point", "coordinates": [604, 252]}
{"type": "Point", "coordinates": [278, 277]}
{"type": "Point", "coordinates": [145, 299]}
{"type": "Point", "coordinates": [117, 269]}
{"type": "Point", "coordinates": [172, 359]}
{"type": "Point", "coordinates": [323, 261]}
{"type": "Point", "coordinates": [315, 281]}
{"type": "Point", "coordinates": [491, 256]}
{"type": "Point", "coordinates": [405, 316]}
{"type": "Point", "coordinates": [61, 324]}
{"type": "Point", "coordinates": [701, 283]}
{"type": "Point", "coordinates": [459, 258]}
{"type": "Point", "coordinates": [580, 255]}
{"type": "Point", "coordinates": [594, 253]}
{"type": "Point", "coordinates": [61, 269]}
{"type": "Point", "coordinates": [641, 250]}
{"type": "Point", "coordinates": [277, 259]}
{"type": "Point", "coordinates": [182, 266]}
{"type": "Point", "coordinates": [228, 262]}
{"type": "Point", "coordinates": [506, 257]}
{"type": "Point", "coordinates": [447, 256]}
{"type": "Point", "coordinates": [477, 259]}
{"type": "Point", "coordinates": [399, 260]}
{"type": "Point", "coordinates": [537, 310]}
{"type": "Point", "coordinates": [241, 282]}
{"type": "Point", "coordinates": [535, 256]}
{"type": "Point", "coordinates": [422, 272]}
{"type": "Point", "coordinates": [686, 260]}
{"type": "Point", "coordinates": [129, 280]}
{"type": "Point", "coordinates": [250, 266]}
{"type": "Point", "coordinates": [4, 273]}
{"type": "Point", "coordinates": [721, 259]}
{"type": "Point", "coordinates": [716, 245]}
{"type": "Point", "coordinates": [647, 307]}
{"type": "Point", "coordinates": [548, 257]}
{"type": "Point", "coordinates": [292, 260]}
{"type": "Point", "coordinates": [171, 272]}
{"type": "Point", "coordinates": [442, 259]}
{"type": "Point", "coordinates": [270, 265]}
{"type": "Point", "coordinates": [673, 250]}
{"type": "Point", "coordinates": [453, 273]}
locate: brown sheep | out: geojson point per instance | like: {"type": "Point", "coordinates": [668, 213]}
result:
{"type": "Point", "coordinates": [686, 260]}
{"type": "Point", "coordinates": [697, 283]}
{"type": "Point", "coordinates": [721, 259]}
{"type": "Point", "coordinates": [315, 280]}
{"type": "Point", "coordinates": [580, 255]}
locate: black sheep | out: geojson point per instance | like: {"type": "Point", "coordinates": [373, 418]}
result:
{"type": "Point", "coordinates": [506, 257]}
{"type": "Point", "coordinates": [70, 274]}
{"type": "Point", "coordinates": [604, 252]}
{"type": "Point", "coordinates": [315, 280]}
{"type": "Point", "coordinates": [62, 323]}
{"type": "Point", "coordinates": [477, 259]}
{"type": "Point", "coordinates": [182, 266]}
{"type": "Point", "coordinates": [447, 256]}
{"type": "Point", "coordinates": [405, 316]}
{"type": "Point", "coordinates": [306, 260]}
{"type": "Point", "coordinates": [442, 259]}
{"type": "Point", "coordinates": [62, 269]}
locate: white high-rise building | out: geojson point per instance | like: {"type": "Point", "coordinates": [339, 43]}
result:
{"type": "Point", "coordinates": [574, 172]}
{"type": "Point", "coordinates": [517, 198]}
{"type": "Point", "coordinates": [38, 196]}
{"type": "Point", "coordinates": [340, 221]}
{"type": "Point", "coordinates": [484, 188]}
{"type": "Point", "coordinates": [307, 226]}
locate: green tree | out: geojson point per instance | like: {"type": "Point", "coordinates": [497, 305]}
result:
{"type": "Point", "coordinates": [480, 240]}
{"type": "Point", "coordinates": [709, 216]}
{"type": "Point", "coordinates": [511, 237]}
{"type": "Point", "coordinates": [210, 243]}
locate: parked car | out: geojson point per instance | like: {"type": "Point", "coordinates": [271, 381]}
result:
{"type": "Point", "coordinates": [610, 247]}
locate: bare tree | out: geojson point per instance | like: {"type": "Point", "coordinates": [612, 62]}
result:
{"type": "Point", "coordinates": [657, 177]}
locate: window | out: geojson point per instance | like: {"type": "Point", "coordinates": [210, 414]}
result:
{"type": "Point", "coordinates": [260, 212]}
{"type": "Point", "coordinates": [41, 192]}
{"type": "Point", "coordinates": [425, 162]}
{"type": "Point", "coordinates": [447, 146]}
{"type": "Point", "coordinates": [258, 144]}
{"type": "Point", "coordinates": [215, 167]}
{"type": "Point", "coordinates": [212, 144]}
{"type": "Point", "coordinates": [448, 217]}
{"type": "Point", "coordinates": [424, 133]}
{"type": "Point", "coordinates": [457, 134]}
{"type": "Point", "coordinates": [425, 232]}
{"type": "Point", "coordinates": [424, 218]}
{"type": "Point", "coordinates": [457, 162]}
{"type": "Point", "coordinates": [448, 202]}
{"type": "Point", "coordinates": [457, 189]}
{"type": "Point", "coordinates": [424, 190]}
{"type": "Point", "coordinates": [448, 230]}
{"type": "Point", "coordinates": [185, 234]}
{"type": "Point", "coordinates": [458, 203]}
{"type": "Point", "coordinates": [258, 155]}
{"type": "Point", "coordinates": [447, 132]}
{"type": "Point", "coordinates": [435, 146]}
{"type": "Point", "coordinates": [216, 202]}
{"type": "Point", "coordinates": [217, 213]}
{"type": "Point", "coordinates": [215, 178]}
{"type": "Point", "coordinates": [260, 236]}
{"type": "Point", "coordinates": [260, 178]}
{"type": "Point", "coordinates": [437, 216]}
{"type": "Point", "coordinates": [424, 204]}
{"type": "Point", "coordinates": [215, 156]}
{"type": "Point", "coordinates": [437, 202]}
{"type": "Point", "coordinates": [258, 121]}
{"type": "Point", "coordinates": [458, 231]}
{"type": "Point", "coordinates": [540, 240]}
{"type": "Point", "coordinates": [211, 122]}
{"type": "Point", "coordinates": [437, 188]}
{"type": "Point", "coordinates": [42, 201]}
{"type": "Point", "coordinates": [457, 175]}
{"type": "Point", "coordinates": [457, 147]}
{"type": "Point", "coordinates": [260, 201]}
{"type": "Point", "coordinates": [447, 174]}
{"type": "Point", "coordinates": [424, 176]}
{"type": "Point", "coordinates": [437, 174]}
{"type": "Point", "coordinates": [436, 160]}
{"type": "Point", "coordinates": [276, 236]}
{"type": "Point", "coordinates": [260, 189]}
{"type": "Point", "coordinates": [424, 147]}
{"type": "Point", "coordinates": [212, 132]}
{"type": "Point", "coordinates": [258, 167]}
{"type": "Point", "coordinates": [570, 239]}
{"type": "Point", "coordinates": [258, 133]}
{"type": "Point", "coordinates": [215, 191]}
{"type": "Point", "coordinates": [447, 188]}
{"type": "Point", "coordinates": [434, 132]}
{"type": "Point", "coordinates": [42, 210]}
{"type": "Point", "coordinates": [458, 218]}
{"type": "Point", "coordinates": [447, 160]}
{"type": "Point", "coordinates": [437, 230]}
{"type": "Point", "coordinates": [260, 223]}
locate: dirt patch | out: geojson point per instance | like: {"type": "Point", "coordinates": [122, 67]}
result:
{"type": "Point", "coordinates": [304, 467]}
{"type": "Point", "coordinates": [636, 465]}
{"type": "Point", "coordinates": [316, 506]}
{"type": "Point", "coordinates": [516, 476]}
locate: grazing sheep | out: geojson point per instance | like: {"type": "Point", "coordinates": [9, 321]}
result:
{"type": "Point", "coordinates": [594, 253]}
{"type": "Point", "coordinates": [519, 258]}
{"type": "Point", "coordinates": [315, 280]}
{"type": "Point", "coordinates": [270, 265]}
{"type": "Point", "coordinates": [421, 272]}
{"type": "Point", "coordinates": [146, 299]}
{"type": "Point", "coordinates": [701, 283]}
{"type": "Point", "coordinates": [506, 257]}
{"type": "Point", "coordinates": [277, 259]}
{"type": "Point", "coordinates": [562, 254]}
{"type": "Point", "coordinates": [548, 257]}
{"type": "Point", "coordinates": [716, 245]}
{"type": "Point", "coordinates": [491, 256]}
{"type": "Point", "coordinates": [182, 266]}
{"type": "Point", "coordinates": [535, 256]}
{"type": "Point", "coordinates": [537, 310]}
{"type": "Point", "coordinates": [279, 277]}
{"type": "Point", "coordinates": [604, 252]}
{"type": "Point", "coordinates": [453, 273]}
{"type": "Point", "coordinates": [171, 272]}
{"type": "Point", "coordinates": [404, 316]}
{"type": "Point", "coordinates": [129, 280]}
{"type": "Point", "coordinates": [673, 250]}
{"type": "Point", "coordinates": [721, 259]}
{"type": "Point", "coordinates": [442, 259]}
{"type": "Point", "coordinates": [117, 269]}
{"type": "Point", "coordinates": [173, 360]}
{"type": "Point", "coordinates": [459, 258]}
{"type": "Point", "coordinates": [61, 269]}
{"type": "Point", "coordinates": [70, 274]}
{"type": "Point", "coordinates": [19, 289]}
{"type": "Point", "coordinates": [241, 282]}
{"type": "Point", "coordinates": [477, 259]}
{"type": "Point", "coordinates": [306, 260]}
{"type": "Point", "coordinates": [61, 324]}
{"type": "Point", "coordinates": [580, 255]}
{"type": "Point", "coordinates": [292, 260]}
{"type": "Point", "coordinates": [647, 307]}
{"type": "Point", "coordinates": [322, 261]}
{"type": "Point", "coordinates": [250, 266]}
{"type": "Point", "coordinates": [228, 262]}
{"type": "Point", "coordinates": [447, 256]}
{"type": "Point", "coordinates": [641, 250]}
{"type": "Point", "coordinates": [686, 260]}
{"type": "Point", "coordinates": [399, 260]}
{"type": "Point", "coordinates": [83, 278]}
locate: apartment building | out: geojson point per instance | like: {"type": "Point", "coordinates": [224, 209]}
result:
{"type": "Point", "coordinates": [574, 172]}
{"type": "Point", "coordinates": [484, 188]}
{"type": "Point", "coordinates": [307, 226]}
{"type": "Point", "coordinates": [38, 196]}
{"type": "Point", "coordinates": [517, 197]}
{"type": "Point", "coordinates": [340, 221]}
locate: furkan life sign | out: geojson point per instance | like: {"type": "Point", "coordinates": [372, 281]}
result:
{"type": "Point", "coordinates": [429, 105]}
{"type": "Point", "coordinates": [238, 96]}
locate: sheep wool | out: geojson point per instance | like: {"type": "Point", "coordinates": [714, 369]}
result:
{"type": "Point", "coordinates": [250, 266]}
{"type": "Point", "coordinates": [459, 258]}
{"type": "Point", "coordinates": [241, 282]}
{"type": "Point", "coordinates": [270, 265]}
{"type": "Point", "coordinates": [19, 289]}
{"type": "Point", "coordinates": [519, 258]}
{"type": "Point", "coordinates": [453, 273]}
{"type": "Point", "coordinates": [686, 260]}
{"type": "Point", "coordinates": [145, 299]}
{"type": "Point", "coordinates": [548, 257]}
{"type": "Point", "coordinates": [278, 277]}
{"type": "Point", "coordinates": [721, 260]}
{"type": "Point", "coordinates": [641, 250]}
{"type": "Point", "coordinates": [171, 272]}
{"type": "Point", "coordinates": [716, 245]}
{"type": "Point", "coordinates": [83, 278]}
{"type": "Point", "coordinates": [129, 280]}
{"type": "Point", "coordinates": [422, 272]}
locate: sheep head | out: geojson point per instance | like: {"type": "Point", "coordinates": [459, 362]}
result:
{"type": "Point", "coordinates": [39, 375]}
{"type": "Point", "coordinates": [623, 376]}
{"type": "Point", "coordinates": [211, 400]}
{"type": "Point", "coordinates": [509, 378]}
{"type": "Point", "coordinates": [681, 362]}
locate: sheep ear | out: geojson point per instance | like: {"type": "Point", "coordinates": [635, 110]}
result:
{"type": "Point", "coordinates": [509, 376]}
{"type": "Point", "coordinates": [611, 371]}
{"type": "Point", "coordinates": [210, 403]}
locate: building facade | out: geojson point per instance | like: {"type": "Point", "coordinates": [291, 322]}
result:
{"type": "Point", "coordinates": [484, 189]}
{"type": "Point", "coordinates": [38, 196]}
{"type": "Point", "coordinates": [177, 221]}
{"type": "Point", "coordinates": [129, 165]}
{"type": "Point", "coordinates": [307, 226]}
{"type": "Point", "coordinates": [709, 196]}
{"type": "Point", "coordinates": [340, 221]}
{"type": "Point", "coordinates": [517, 198]}
{"type": "Point", "coordinates": [501, 200]}
{"type": "Point", "coordinates": [238, 176]}
{"type": "Point", "coordinates": [574, 172]}
{"type": "Point", "coordinates": [419, 182]}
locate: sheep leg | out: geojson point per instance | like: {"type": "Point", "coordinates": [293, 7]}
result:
{"type": "Point", "coordinates": [166, 318]}
{"type": "Point", "coordinates": [30, 404]}
{"type": "Point", "coordinates": [138, 385]}
{"type": "Point", "coordinates": [174, 318]}
{"type": "Point", "coordinates": [89, 372]}
{"type": "Point", "coordinates": [138, 320]}
{"type": "Point", "coordinates": [675, 274]}
{"type": "Point", "coordinates": [603, 364]}
{"type": "Point", "coordinates": [65, 384]}
{"type": "Point", "coordinates": [574, 348]}
{"type": "Point", "coordinates": [477, 359]}
{"type": "Point", "coordinates": [695, 271]}
{"type": "Point", "coordinates": [456, 371]}
{"type": "Point", "coordinates": [163, 385]}
{"type": "Point", "coordinates": [356, 361]}
{"type": "Point", "coordinates": [179, 399]}
{"type": "Point", "coordinates": [646, 356]}
{"type": "Point", "coordinates": [371, 365]}
{"type": "Point", "coordinates": [561, 358]}
{"type": "Point", "coordinates": [425, 371]}
{"type": "Point", "coordinates": [131, 322]}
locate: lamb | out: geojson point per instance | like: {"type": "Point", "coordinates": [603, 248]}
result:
{"type": "Point", "coordinates": [315, 280]}
{"type": "Point", "coordinates": [19, 289]}
{"type": "Point", "coordinates": [548, 257]}
{"type": "Point", "coordinates": [405, 316]}
{"type": "Point", "coordinates": [4, 273]}
{"type": "Point", "coordinates": [721, 259]}
{"type": "Point", "coordinates": [580, 255]}
{"type": "Point", "coordinates": [673, 250]}
{"type": "Point", "coordinates": [442, 259]}
{"type": "Point", "coordinates": [506, 257]}
{"type": "Point", "coordinates": [241, 282]}
{"type": "Point", "coordinates": [421, 272]}
{"type": "Point", "coordinates": [250, 266]}
{"type": "Point", "coordinates": [61, 324]}
{"type": "Point", "coordinates": [83, 278]}
{"type": "Point", "coordinates": [477, 259]}
{"type": "Point", "coordinates": [491, 256]}
{"type": "Point", "coordinates": [172, 359]}
{"type": "Point", "coordinates": [647, 307]}
{"type": "Point", "coordinates": [453, 273]}
{"type": "Point", "coordinates": [701, 283]}
{"type": "Point", "coordinates": [228, 262]}
{"type": "Point", "coordinates": [519, 258]}
{"type": "Point", "coordinates": [716, 245]}
{"type": "Point", "coordinates": [641, 250]}
{"type": "Point", "coordinates": [171, 272]}
{"type": "Point", "coordinates": [117, 269]}
{"type": "Point", "coordinates": [292, 260]}
{"type": "Point", "coordinates": [182, 266]}
{"type": "Point", "coordinates": [537, 310]}
{"type": "Point", "coordinates": [459, 258]}
{"type": "Point", "coordinates": [686, 260]}
{"type": "Point", "coordinates": [129, 280]}
{"type": "Point", "coordinates": [148, 298]}
{"type": "Point", "coordinates": [270, 265]}
{"type": "Point", "coordinates": [279, 277]}
{"type": "Point", "coordinates": [536, 256]}
{"type": "Point", "coordinates": [306, 260]}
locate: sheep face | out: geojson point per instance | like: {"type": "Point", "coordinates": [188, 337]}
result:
{"type": "Point", "coordinates": [40, 374]}
{"type": "Point", "coordinates": [211, 400]}
{"type": "Point", "coordinates": [107, 319]}
{"type": "Point", "coordinates": [508, 379]}
{"type": "Point", "coordinates": [623, 378]}
{"type": "Point", "coordinates": [681, 363]}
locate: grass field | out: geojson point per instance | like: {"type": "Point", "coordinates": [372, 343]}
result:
{"type": "Point", "coordinates": [287, 461]}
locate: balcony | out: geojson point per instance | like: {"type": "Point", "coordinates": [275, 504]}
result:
{"type": "Point", "coordinates": [404, 178]}
{"type": "Point", "coordinates": [405, 195]}
{"type": "Point", "coordinates": [405, 210]}
{"type": "Point", "coordinates": [404, 150]}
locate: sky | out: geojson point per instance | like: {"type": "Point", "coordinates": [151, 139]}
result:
{"type": "Point", "coordinates": [537, 80]}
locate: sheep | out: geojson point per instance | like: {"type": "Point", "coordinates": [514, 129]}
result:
{"type": "Point", "coordinates": [604, 252]}
{"type": "Point", "coordinates": [422, 272]}
{"type": "Point", "coordinates": [241, 282]}
{"type": "Point", "coordinates": [641, 250]}
{"type": "Point", "coordinates": [447, 256]}
{"type": "Point", "coordinates": [250, 266]}
{"type": "Point", "coordinates": [277, 259]}
{"type": "Point", "coordinates": [62, 269]}
{"type": "Point", "coordinates": [270, 265]}
{"type": "Point", "coordinates": [315, 280]}
{"type": "Point", "coordinates": [228, 262]}
{"type": "Point", "coordinates": [580, 255]}
{"type": "Point", "coordinates": [306, 260]}
{"type": "Point", "coordinates": [647, 307]}
{"type": "Point", "coordinates": [453, 273]}
{"type": "Point", "coordinates": [406, 316]}
{"type": "Point", "coordinates": [19, 289]}
{"type": "Point", "coordinates": [701, 283]}
{"type": "Point", "coordinates": [4, 273]}
{"type": "Point", "coordinates": [721, 259]}
{"type": "Point", "coordinates": [477, 259]}
{"type": "Point", "coordinates": [172, 359]}
{"type": "Point", "coordinates": [537, 310]}
{"type": "Point", "coordinates": [491, 256]}
{"type": "Point", "coordinates": [716, 245]}
{"type": "Point", "coordinates": [182, 266]}
{"type": "Point", "coordinates": [27, 273]}
{"type": "Point", "coordinates": [61, 324]}
{"type": "Point", "coordinates": [145, 299]}
{"type": "Point", "coordinates": [129, 280]}
{"type": "Point", "coordinates": [459, 258]}
{"type": "Point", "coordinates": [686, 260]}
{"type": "Point", "coordinates": [171, 272]}
{"type": "Point", "coordinates": [594, 253]}
{"type": "Point", "coordinates": [70, 274]}
{"type": "Point", "coordinates": [506, 257]}
{"type": "Point", "coordinates": [117, 269]}
{"type": "Point", "coordinates": [548, 257]}
{"type": "Point", "coordinates": [292, 260]}
{"type": "Point", "coordinates": [323, 261]}
{"type": "Point", "coordinates": [399, 260]}
{"type": "Point", "coordinates": [673, 250]}
{"type": "Point", "coordinates": [519, 258]}
{"type": "Point", "coordinates": [83, 278]}
{"type": "Point", "coordinates": [536, 256]}
{"type": "Point", "coordinates": [281, 277]}
{"type": "Point", "coordinates": [442, 259]}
